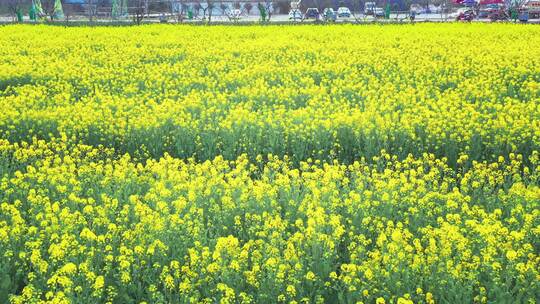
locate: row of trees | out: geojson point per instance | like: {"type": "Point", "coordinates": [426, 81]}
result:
{"type": "Point", "coordinates": [50, 8]}
{"type": "Point", "coordinates": [204, 9]}
{"type": "Point", "coordinates": [140, 9]}
{"type": "Point", "coordinates": [265, 8]}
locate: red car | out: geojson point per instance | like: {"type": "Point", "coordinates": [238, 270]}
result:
{"type": "Point", "coordinates": [465, 15]}
{"type": "Point", "coordinates": [533, 7]}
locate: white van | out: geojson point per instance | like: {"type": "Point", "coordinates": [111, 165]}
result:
{"type": "Point", "coordinates": [369, 8]}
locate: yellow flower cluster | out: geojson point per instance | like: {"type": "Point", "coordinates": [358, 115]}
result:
{"type": "Point", "coordinates": [321, 92]}
{"type": "Point", "coordinates": [80, 224]}
{"type": "Point", "coordinates": [270, 164]}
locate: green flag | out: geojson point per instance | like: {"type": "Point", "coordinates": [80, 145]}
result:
{"type": "Point", "coordinates": [119, 8]}
{"type": "Point", "coordinates": [19, 15]}
{"type": "Point", "coordinates": [262, 12]}
{"type": "Point", "coordinates": [124, 11]}
{"type": "Point", "coordinates": [32, 12]}
{"type": "Point", "coordinates": [115, 9]}
{"type": "Point", "coordinates": [58, 11]}
{"type": "Point", "coordinates": [37, 8]}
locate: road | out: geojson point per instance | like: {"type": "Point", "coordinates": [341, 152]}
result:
{"type": "Point", "coordinates": [402, 17]}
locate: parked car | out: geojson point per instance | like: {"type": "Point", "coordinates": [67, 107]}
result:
{"type": "Point", "coordinates": [486, 10]}
{"type": "Point", "coordinates": [425, 9]}
{"type": "Point", "coordinates": [329, 14]}
{"type": "Point", "coordinates": [533, 7]}
{"type": "Point", "coordinates": [435, 9]}
{"type": "Point", "coordinates": [378, 12]}
{"type": "Point", "coordinates": [523, 14]}
{"type": "Point", "coordinates": [344, 12]}
{"type": "Point", "coordinates": [369, 8]}
{"type": "Point", "coordinates": [416, 8]}
{"type": "Point", "coordinates": [235, 14]}
{"type": "Point", "coordinates": [499, 15]}
{"type": "Point", "coordinates": [312, 13]}
{"type": "Point", "coordinates": [295, 14]}
{"type": "Point", "coordinates": [464, 14]}
{"type": "Point", "coordinates": [455, 14]}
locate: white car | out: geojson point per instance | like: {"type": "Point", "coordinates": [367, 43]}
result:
{"type": "Point", "coordinates": [329, 14]}
{"type": "Point", "coordinates": [343, 12]}
{"type": "Point", "coordinates": [458, 12]}
{"type": "Point", "coordinates": [416, 8]}
{"type": "Point", "coordinates": [235, 14]}
{"type": "Point", "coordinates": [369, 8]}
{"type": "Point", "coordinates": [378, 12]}
{"type": "Point", "coordinates": [295, 14]}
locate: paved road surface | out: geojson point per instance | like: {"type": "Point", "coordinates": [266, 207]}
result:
{"type": "Point", "coordinates": [285, 18]}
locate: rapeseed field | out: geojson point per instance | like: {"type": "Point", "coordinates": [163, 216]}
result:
{"type": "Point", "coordinates": [270, 164]}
